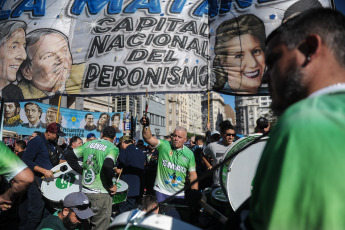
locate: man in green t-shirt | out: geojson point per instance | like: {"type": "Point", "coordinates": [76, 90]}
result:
{"type": "Point", "coordinates": [299, 182]}
{"type": "Point", "coordinates": [99, 157]}
{"type": "Point", "coordinates": [174, 162]}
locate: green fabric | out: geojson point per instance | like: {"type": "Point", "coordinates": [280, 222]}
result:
{"type": "Point", "coordinates": [52, 222]}
{"type": "Point", "coordinates": [10, 164]}
{"type": "Point", "coordinates": [93, 154]}
{"type": "Point", "coordinates": [172, 162]}
{"type": "Point", "coordinates": [299, 183]}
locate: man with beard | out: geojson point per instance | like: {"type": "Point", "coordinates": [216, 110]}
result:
{"type": "Point", "coordinates": [299, 180]}
{"type": "Point", "coordinates": [12, 117]}
{"type": "Point", "coordinates": [75, 210]}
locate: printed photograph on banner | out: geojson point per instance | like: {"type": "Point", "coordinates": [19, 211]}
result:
{"type": "Point", "coordinates": [238, 31]}
{"type": "Point", "coordinates": [26, 117]}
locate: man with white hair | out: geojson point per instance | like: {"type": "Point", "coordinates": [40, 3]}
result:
{"type": "Point", "coordinates": [174, 161]}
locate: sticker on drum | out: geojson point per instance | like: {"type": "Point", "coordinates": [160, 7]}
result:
{"type": "Point", "coordinates": [237, 175]}
{"type": "Point", "coordinates": [63, 184]}
{"type": "Point", "coordinates": [135, 220]}
{"type": "Point", "coordinates": [121, 193]}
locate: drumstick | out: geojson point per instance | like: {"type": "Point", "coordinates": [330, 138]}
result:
{"type": "Point", "coordinates": [146, 103]}
{"type": "Point", "coordinates": [213, 212]}
{"type": "Point", "coordinates": [63, 168]}
{"type": "Point", "coordinates": [118, 177]}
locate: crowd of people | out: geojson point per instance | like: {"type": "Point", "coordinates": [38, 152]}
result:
{"type": "Point", "coordinates": [298, 182]}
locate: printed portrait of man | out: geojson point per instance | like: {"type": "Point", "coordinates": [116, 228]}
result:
{"type": "Point", "coordinates": [12, 116]}
{"type": "Point", "coordinates": [51, 116]}
{"type": "Point", "coordinates": [33, 112]}
{"type": "Point", "coordinates": [48, 63]}
{"type": "Point", "coordinates": [89, 122]}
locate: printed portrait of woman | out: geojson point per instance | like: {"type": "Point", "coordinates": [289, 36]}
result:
{"type": "Point", "coordinates": [103, 121]}
{"type": "Point", "coordinates": [239, 61]}
{"type": "Point", "coordinates": [12, 55]}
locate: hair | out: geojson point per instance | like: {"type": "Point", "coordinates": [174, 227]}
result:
{"type": "Point", "coordinates": [116, 115]}
{"type": "Point", "coordinates": [73, 139]}
{"type": "Point", "coordinates": [147, 202]}
{"type": "Point", "coordinates": [180, 128]}
{"type": "Point", "coordinates": [109, 132]}
{"type": "Point", "coordinates": [108, 117]}
{"type": "Point", "coordinates": [16, 104]}
{"type": "Point", "coordinates": [262, 123]}
{"type": "Point", "coordinates": [235, 27]}
{"type": "Point", "coordinates": [38, 133]}
{"type": "Point", "coordinates": [88, 115]}
{"type": "Point", "coordinates": [225, 125]}
{"type": "Point", "coordinates": [327, 23]}
{"type": "Point", "coordinates": [8, 28]}
{"type": "Point", "coordinates": [199, 137]}
{"type": "Point", "coordinates": [33, 37]}
{"type": "Point", "coordinates": [21, 144]}
{"type": "Point", "coordinates": [33, 103]}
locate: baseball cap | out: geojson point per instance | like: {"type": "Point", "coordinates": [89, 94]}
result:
{"type": "Point", "coordinates": [214, 132]}
{"type": "Point", "coordinates": [124, 138]}
{"type": "Point", "coordinates": [91, 135]}
{"type": "Point", "coordinates": [55, 128]}
{"type": "Point", "coordinates": [79, 203]}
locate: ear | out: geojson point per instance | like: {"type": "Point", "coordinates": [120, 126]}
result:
{"type": "Point", "coordinates": [27, 72]}
{"type": "Point", "coordinates": [309, 47]}
{"type": "Point", "coordinates": [65, 212]}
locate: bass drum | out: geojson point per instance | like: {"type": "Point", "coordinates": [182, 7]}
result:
{"type": "Point", "coordinates": [55, 190]}
{"type": "Point", "coordinates": [236, 176]}
{"type": "Point", "coordinates": [135, 220]}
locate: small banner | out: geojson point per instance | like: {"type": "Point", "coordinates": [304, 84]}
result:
{"type": "Point", "coordinates": [27, 117]}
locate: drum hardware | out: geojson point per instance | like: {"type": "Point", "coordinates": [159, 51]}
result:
{"type": "Point", "coordinates": [63, 168]}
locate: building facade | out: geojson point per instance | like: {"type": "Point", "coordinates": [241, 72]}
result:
{"type": "Point", "coordinates": [216, 110]}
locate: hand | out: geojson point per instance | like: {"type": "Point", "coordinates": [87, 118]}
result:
{"type": "Point", "coordinates": [208, 126]}
{"type": "Point", "coordinates": [48, 174]}
{"type": "Point", "coordinates": [5, 204]}
{"type": "Point", "coordinates": [145, 121]}
{"type": "Point", "coordinates": [209, 167]}
{"type": "Point", "coordinates": [113, 190]}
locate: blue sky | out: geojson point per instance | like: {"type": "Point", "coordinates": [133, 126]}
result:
{"type": "Point", "coordinates": [339, 4]}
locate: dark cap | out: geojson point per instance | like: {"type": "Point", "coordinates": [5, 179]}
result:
{"type": "Point", "coordinates": [262, 123]}
{"type": "Point", "coordinates": [90, 135]}
{"type": "Point", "coordinates": [79, 203]}
{"type": "Point", "coordinates": [55, 128]}
{"type": "Point", "coordinates": [109, 131]}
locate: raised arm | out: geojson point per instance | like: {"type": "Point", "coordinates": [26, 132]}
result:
{"type": "Point", "coordinates": [147, 132]}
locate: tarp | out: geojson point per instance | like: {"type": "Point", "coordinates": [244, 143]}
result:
{"type": "Point", "coordinates": [103, 47]}
{"type": "Point", "coordinates": [33, 116]}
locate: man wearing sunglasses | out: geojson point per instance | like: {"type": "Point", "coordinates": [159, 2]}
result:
{"type": "Point", "coordinates": [75, 210]}
{"type": "Point", "coordinates": [216, 150]}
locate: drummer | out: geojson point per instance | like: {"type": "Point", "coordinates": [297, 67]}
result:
{"type": "Point", "coordinates": [99, 157]}
{"type": "Point", "coordinates": [217, 150]}
{"type": "Point", "coordinates": [37, 158]}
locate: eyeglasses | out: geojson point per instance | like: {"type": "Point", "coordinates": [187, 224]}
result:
{"type": "Point", "coordinates": [230, 134]}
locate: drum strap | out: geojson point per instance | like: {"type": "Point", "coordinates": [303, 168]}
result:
{"type": "Point", "coordinates": [38, 183]}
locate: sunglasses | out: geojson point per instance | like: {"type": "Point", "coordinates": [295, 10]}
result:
{"type": "Point", "coordinates": [230, 134]}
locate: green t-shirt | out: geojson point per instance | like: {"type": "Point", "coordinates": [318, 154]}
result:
{"type": "Point", "coordinates": [52, 222]}
{"type": "Point", "coordinates": [172, 169]}
{"type": "Point", "coordinates": [299, 183]}
{"type": "Point", "coordinates": [10, 164]}
{"type": "Point", "coordinates": [93, 154]}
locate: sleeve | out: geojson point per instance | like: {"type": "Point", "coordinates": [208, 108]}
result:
{"type": "Point", "coordinates": [191, 166]}
{"type": "Point", "coordinates": [10, 164]}
{"type": "Point", "coordinates": [207, 151]}
{"type": "Point", "coordinates": [113, 154]}
{"type": "Point", "coordinates": [72, 160]}
{"type": "Point", "coordinates": [160, 145]}
{"type": "Point", "coordinates": [79, 151]}
{"type": "Point", "coordinates": [34, 146]}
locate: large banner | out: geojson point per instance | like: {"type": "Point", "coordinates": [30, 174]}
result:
{"type": "Point", "coordinates": [238, 30]}
{"type": "Point", "coordinates": [98, 47]}
{"type": "Point", "coordinates": [103, 47]}
{"type": "Point", "coordinates": [27, 117]}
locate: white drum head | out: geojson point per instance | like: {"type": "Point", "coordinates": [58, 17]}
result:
{"type": "Point", "coordinates": [153, 221]}
{"type": "Point", "coordinates": [241, 172]}
{"type": "Point", "coordinates": [63, 184]}
{"type": "Point", "coordinates": [121, 186]}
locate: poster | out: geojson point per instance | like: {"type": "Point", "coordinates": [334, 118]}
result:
{"type": "Point", "coordinates": [99, 47]}
{"type": "Point", "coordinates": [27, 117]}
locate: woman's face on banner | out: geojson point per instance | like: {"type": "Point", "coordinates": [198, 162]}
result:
{"type": "Point", "coordinates": [244, 62]}
{"type": "Point", "coordinates": [103, 119]}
